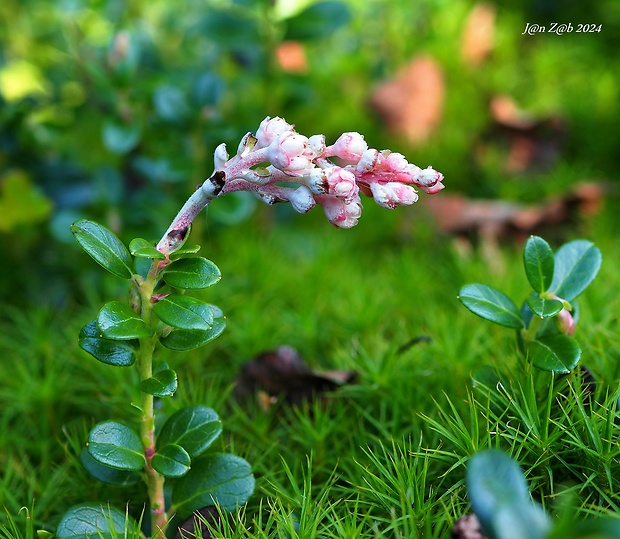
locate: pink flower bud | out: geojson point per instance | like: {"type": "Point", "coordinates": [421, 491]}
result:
{"type": "Point", "coordinates": [317, 145]}
{"type": "Point", "coordinates": [341, 183]}
{"type": "Point", "coordinates": [338, 212]}
{"type": "Point", "coordinates": [565, 323]}
{"type": "Point", "coordinates": [288, 154]}
{"type": "Point", "coordinates": [270, 129]}
{"type": "Point", "coordinates": [368, 161]}
{"type": "Point", "coordinates": [429, 180]}
{"type": "Point", "coordinates": [302, 200]}
{"type": "Point", "coordinates": [392, 194]}
{"type": "Point", "coordinates": [317, 181]}
{"type": "Point", "coordinates": [220, 157]}
{"type": "Point", "coordinates": [349, 146]}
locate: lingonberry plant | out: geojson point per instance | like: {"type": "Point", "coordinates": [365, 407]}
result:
{"type": "Point", "coordinates": [546, 322]}
{"type": "Point", "coordinates": [278, 165]}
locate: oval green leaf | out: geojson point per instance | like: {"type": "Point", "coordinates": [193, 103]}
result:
{"type": "Point", "coordinates": [184, 312]}
{"type": "Point", "coordinates": [172, 461]}
{"type": "Point", "coordinates": [112, 476]}
{"type": "Point", "coordinates": [116, 445]}
{"type": "Point", "coordinates": [120, 138]}
{"type": "Point", "coordinates": [184, 252]}
{"type": "Point", "coordinates": [195, 272]}
{"type": "Point", "coordinates": [96, 521]}
{"type": "Point", "coordinates": [162, 384]}
{"type": "Point", "coordinates": [319, 20]}
{"type": "Point", "coordinates": [544, 308]}
{"type": "Point", "coordinates": [222, 479]}
{"type": "Point", "coordinates": [117, 321]}
{"type": "Point", "coordinates": [538, 262]}
{"type": "Point", "coordinates": [556, 353]}
{"type": "Point", "coordinates": [194, 429]}
{"type": "Point", "coordinates": [142, 248]}
{"type": "Point", "coordinates": [576, 266]}
{"type": "Point", "coordinates": [498, 493]}
{"type": "Point", "coordinates": [180, 339]}
{"type": "Point", "coordinates": [112, 352]}
{"type": "Point", "coordinates": [491, 305]}
{"type": "Point", "coordinates": [104, 247]}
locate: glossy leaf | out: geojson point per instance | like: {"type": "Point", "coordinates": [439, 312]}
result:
{"type": "Point", "coordinates": [556, 353]}
{"type": "Point", "coordinates": [195, 272]}
{"type": "Point", "coordinates": [319, 20]}
{"type": "Point", "coordinates": [184, 312]}
{"type": "Point", "coordinates": [162, 384]}
{"type": "Point", "coordinates": [544, 308]}
{"type": "Point", "coordinates": [491, 305]}
{"type": "Point", "coordinates": [194, 429]}
{"type": "Point", "coordinates": [172, 461]}
{"type": "Point", "coordinates": [180, 339]}
{"type": "Point", "coordinates": [184, 252]}
{"type": "Point", "coordinates": [104, 247]}
{"type": "Point", "coordinates": [498, 493]}
{"type": "Point", "coordinates": [221, 479]}
{"type": "Point", "coordinates": [144, 249]}
{"type": "Point", "coordinates": [538, 263]}
{"type": "Point", "coordinates": [117, 321]}
{"type": "Point", "coordinates": [576, 265]}
{"type": "Point", "coordinates": [116, 445]}
{"type": "Point", "coordinates": [112, 352]}
{"type": "Point", "coordinates": [112, 476]}
{"type": "Point", "coordinates": [94, 520]}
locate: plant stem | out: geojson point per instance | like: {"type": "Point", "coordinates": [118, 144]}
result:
{"type": "Point", "coordinates": [154, 480]}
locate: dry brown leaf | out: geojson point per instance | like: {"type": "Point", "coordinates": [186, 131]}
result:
{"type": "Point", "coordinates": [479, 34]}
{"type": "Point", "coordinates": [282, 373]}
{"type": "Point", "coordinates": [411, 104]}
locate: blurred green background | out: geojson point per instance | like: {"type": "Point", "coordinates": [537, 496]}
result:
{"type": "Point", "coordinates": [111, 110]}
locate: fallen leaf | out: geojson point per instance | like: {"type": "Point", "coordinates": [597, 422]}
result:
{"type": "Point", "coordinates": [411, 104]}
{"type": "Point", "coordinates": [528, 143]}
{"type": "Point", "coordinates": [479, 34]}
{"type": "Point", "coordinates": [282, 374]}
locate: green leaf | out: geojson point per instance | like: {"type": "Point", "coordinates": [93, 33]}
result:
{"type": "Point", "coordinates": [194, 429]}
{"type": "Point", "coordinates": [556, 353]}
{"type": "Point", "coordinates": [498, 493]}
{"type": "Point", "coordinates": [576, 266]}
{"type": "Point", "coordinates": [162, 384]}
{"type": "Point", "coordinates": [116, 445]}
{"type": "Point", "coordinates": [120, 138]}
{"type": "Point", "coordinates": [171, 460]}
{"type": "Point", "coordinates": [538, 262]}
{"type": "Point", "coordinates": [94, 521]}
{"type": "Point", "coordinates": [144, 249]}
{"type": "Point", "coordinates": [184, 312]}
{"type": "Point", "coordinates": [543, 307]}
{"type": "Point", "coordinates": [117, 321]}
{"type": "Point", "coordinates": [111, 352]}
{"type": "Point", "coordinates": [184, 252]}
{"type": "Point", "coordinates": [180, 339]}
{"type": "Point", "coordinates": [195, 272]}
{"type": "Point", "coordinates": [321, 19]}
{"type": "Point", "coordinates": [104, 247]}
{"type": "Point", "coordinates": [171, 104]}
{"type": "Point", "coordinates": [491, 305]}
{"type": "Point", "coordinates": [222, 479]}
{"type": "Point", "coordinates": [112, 476]}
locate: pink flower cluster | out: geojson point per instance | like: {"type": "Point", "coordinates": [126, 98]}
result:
{"type": "Point", "coordinates": [304, 162]}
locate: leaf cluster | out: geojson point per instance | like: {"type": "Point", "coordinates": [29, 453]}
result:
{"type": "Point", "coordinates": [556, 279]}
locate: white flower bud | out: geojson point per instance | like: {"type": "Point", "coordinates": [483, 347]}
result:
{"type": "Point", "coordinates": [302, 200]}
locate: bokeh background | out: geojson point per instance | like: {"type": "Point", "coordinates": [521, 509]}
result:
{"type": "Point", "coordinates": [111, 110]}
